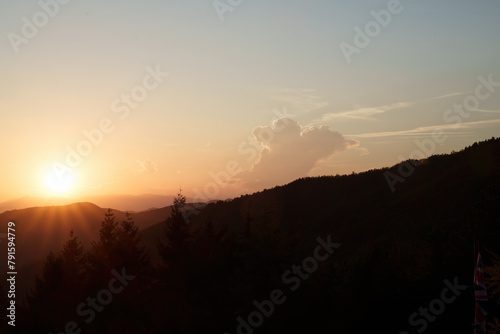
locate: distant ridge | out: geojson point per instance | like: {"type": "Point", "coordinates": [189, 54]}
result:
{"type": "Point", "coordinates": [46, 229]}
{"type": "Point", "coordinates": [120, 202]}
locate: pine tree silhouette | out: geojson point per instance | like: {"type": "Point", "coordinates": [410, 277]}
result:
{"type": "Point", "coordinates": [133, 256]}
{"type": "Point", "coordinates": [46, 296]}
{"type": "Point", "coordinates": [177, 233]}
{"type": "Point", "coordinates": [103, 255]}
{"type": "Point", "coordinates": [73, 257]}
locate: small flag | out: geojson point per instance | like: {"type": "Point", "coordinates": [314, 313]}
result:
{"type": "Point", "coordinates": [481, 298]}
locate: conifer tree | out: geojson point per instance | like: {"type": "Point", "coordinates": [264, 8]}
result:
{"type": "Point", "coordinates": [177, 233]}
{"type": "Point", "coordinates": [133, 256]}
{"type": "Point", "coordinates": [47, 295]}
{"type": "Point", "coordinates": [108, 232]}
{"type": "Point", "coordinates": [103, 255]}
{"type": "Point", "coordinates": [51, 278]}
{"type": "Point", "coordinates": [73, 259]}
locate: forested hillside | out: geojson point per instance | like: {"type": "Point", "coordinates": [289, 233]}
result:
{"type": "Point", "coordinates": [342, 254]}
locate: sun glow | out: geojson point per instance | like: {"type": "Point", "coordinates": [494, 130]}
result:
{"type": "Point", "coordinates": [59, 183]}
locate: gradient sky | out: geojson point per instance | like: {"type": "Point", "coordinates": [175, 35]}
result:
{"type": "Point", "coordinates": [228, 81]}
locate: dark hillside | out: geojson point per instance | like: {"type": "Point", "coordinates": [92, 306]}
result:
{"type": "Point", "coordinates": [397, 247]}
{"type": "Point", "coordinates": [340, 254]}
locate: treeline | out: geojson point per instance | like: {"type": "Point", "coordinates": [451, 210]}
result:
{"type": "Point", "coordinates": [217, 274]}
{"type": "Point", "coordinates": [206, 279]}
{"type": "Point", "coordinates": [212, 281]}
{"type": "Point", "coordinates": [65, 296]}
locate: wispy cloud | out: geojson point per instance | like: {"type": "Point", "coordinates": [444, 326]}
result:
{"type": "Point", "coordinates": [427, 129]}
{"type": "Point", "coordinates": [445, 96]}
{"type": "Point", "coordinates": [366, 113]}
{"type": "Point", "coordinates": [299, 100]}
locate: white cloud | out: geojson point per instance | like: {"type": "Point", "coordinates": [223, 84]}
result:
{"type": "Point", "coordinates": [146, 167]}
{"type": "Point", "coordinates": [290, 152]}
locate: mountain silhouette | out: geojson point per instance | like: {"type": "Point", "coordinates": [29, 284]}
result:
{"type": "Point", "coordinates": [398, 244]}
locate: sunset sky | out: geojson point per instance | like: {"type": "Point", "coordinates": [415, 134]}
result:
{"type": "Point", "coordinates": [274, 70]}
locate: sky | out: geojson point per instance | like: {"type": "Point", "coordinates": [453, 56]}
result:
{"type": "Point", "coordinates": [223, 98]}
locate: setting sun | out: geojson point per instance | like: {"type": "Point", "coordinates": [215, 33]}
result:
{"type": "Point", "coordinates": [58, 183]}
